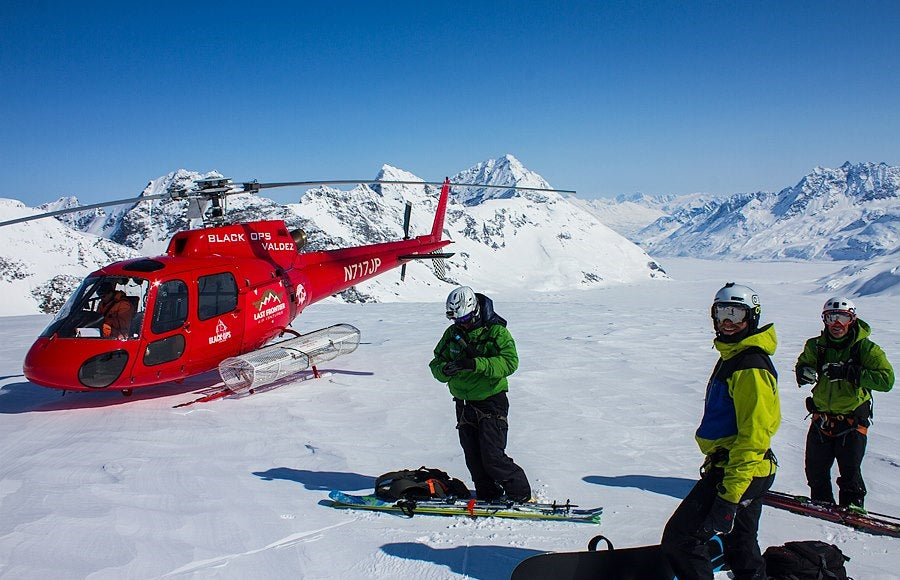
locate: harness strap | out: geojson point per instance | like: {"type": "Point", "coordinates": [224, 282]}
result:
{"type": "Point", "coordinates": [721, 455]}
{"type": "Point", "coordinates": [827, 424]}
{"type": "Point", "coordinates": [479, 415]}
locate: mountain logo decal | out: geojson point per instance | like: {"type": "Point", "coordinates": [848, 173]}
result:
{"type": "Point", "coordinates": [270, 304]}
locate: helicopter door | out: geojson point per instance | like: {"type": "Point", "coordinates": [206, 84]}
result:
{"type": "Point", "coordinates": [218, 331]}
{"type": "Point", "coordinates": [166, 341]}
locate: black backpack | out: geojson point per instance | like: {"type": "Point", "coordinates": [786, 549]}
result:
{"type": "Point", "coordinates": [419, 484]}
{"type": "Point", "coordinates": [810, 559]}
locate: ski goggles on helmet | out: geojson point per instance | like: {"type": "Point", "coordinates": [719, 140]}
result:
{"type": "Point", "coordinates": [837, 316]}
{"type": "Point", "coordinates": [735, 313]}
{"type": "Point", "coordinates": [464, 319]}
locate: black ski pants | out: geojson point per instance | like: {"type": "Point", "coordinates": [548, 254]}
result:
{"type": "Point", "coordinates": [686, 547]}
{"type": "Point", "coordinates": [483, 428]}
{"type": "Point", "coordinates": [822, 450]}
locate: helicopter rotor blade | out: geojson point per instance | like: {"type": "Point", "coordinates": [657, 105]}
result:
{"type": "Point", "coordinates": [220, 187]}
{"type": "Point", "coordinates": [84, 208]}
{"type": "Point", "coordinates": [253, 186]}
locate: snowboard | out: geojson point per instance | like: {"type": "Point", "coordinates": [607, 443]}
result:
{"type": "Point", "coordinates": [871, 522]}
{"type": "Point", "coordinates": [641, 563]}
{"type": "Point", "coordinates": [565, 512]}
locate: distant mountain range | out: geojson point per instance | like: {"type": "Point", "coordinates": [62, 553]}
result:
{"type": "Point", "coordinates": [848, 213]}
{"type": "Point", "coordinates": [504, 240]}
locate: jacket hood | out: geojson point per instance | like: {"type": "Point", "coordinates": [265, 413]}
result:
{"type": "Point", "coordinates": [764, 339]}
{"type": "Point", "coordinates": [488, 316]}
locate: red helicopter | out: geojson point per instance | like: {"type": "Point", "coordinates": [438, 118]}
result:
{"type": "Point", "coordinates": [217, 292]}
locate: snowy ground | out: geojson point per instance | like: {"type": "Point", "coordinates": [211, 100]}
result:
{"type": "Point", "coordinates": [604, 407]}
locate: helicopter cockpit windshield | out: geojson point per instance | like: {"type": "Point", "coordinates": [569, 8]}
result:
{"type": "Point", "coordinates": [110, 307]}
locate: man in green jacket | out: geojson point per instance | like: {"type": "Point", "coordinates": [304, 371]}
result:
{"type": "Point", "coordinates": [844, 367]}
{"type": "Point", "coordinates": [474, 357]}
{"type": "Point", "coordinates": [741, 414]}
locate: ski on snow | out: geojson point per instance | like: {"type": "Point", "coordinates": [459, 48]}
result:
{"type": "Point", "coordinates": [871, 522]}
{"type": "Point", "coordinates": [641, 563]}
{"type": "Point", "coordinates": [565, 512]}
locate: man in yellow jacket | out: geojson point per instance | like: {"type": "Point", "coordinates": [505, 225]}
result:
{"type": "Point", "coordinates": [741, 414]}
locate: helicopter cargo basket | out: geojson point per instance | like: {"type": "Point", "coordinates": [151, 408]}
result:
{"type": "Point", "coordinates": [271, 363]}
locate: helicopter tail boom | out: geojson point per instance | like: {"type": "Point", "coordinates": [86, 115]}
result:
{"type": "Point", "coordinates": [337, 270]}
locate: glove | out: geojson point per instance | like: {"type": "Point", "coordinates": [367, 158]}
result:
{"type": "Point", "coordinates": [805, 375]}
{"type": "Point", "coordinates": [720, 519]}
{"type": "Point", "coordinates": [843, 370]}
{"type": "Point", "coordinates": [463, 364]}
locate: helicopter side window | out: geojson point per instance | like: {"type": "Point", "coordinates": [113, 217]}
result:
{"type": "Point", "coordinates": [171, 308]}
{"type": "Point", "coordinates": [164, 350]}
{"type": "Point", "coordinates": [218, 295]}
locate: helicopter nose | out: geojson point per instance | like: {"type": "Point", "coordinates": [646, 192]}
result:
{"type": "Point", "coordinates": [74, 364]}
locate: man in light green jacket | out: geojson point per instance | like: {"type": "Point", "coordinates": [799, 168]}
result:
{"type": "Point", "coordinates": [741, 414]}
{"type": "Point", "coordinates": [844, 367]}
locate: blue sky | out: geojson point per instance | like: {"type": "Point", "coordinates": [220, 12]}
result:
{"type": "Point", "coordinates": [601, 97]}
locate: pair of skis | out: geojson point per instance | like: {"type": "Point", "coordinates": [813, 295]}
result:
{"type": "Point", "coordinates": [561, 512]}
{"type": "Point", "coordinates": [871, 522]}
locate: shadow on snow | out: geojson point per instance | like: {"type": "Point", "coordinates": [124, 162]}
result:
{"type": "Point", "coordinates": [677, 487]}
{"type": "Point", "coordinates": [477, 562]}
{"type": "Point", "coordinates": [25, 396]}
{"type": "Point", "coordinates": [320, 480]}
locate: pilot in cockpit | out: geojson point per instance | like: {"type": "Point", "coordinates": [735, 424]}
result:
{"type": "Point", "coordinates": [117, 311]}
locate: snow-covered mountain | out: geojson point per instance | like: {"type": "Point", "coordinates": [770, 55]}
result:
{"type": "Point", "coordinates": [880, 275]}
{"type": "Point", "coordinates": [146, 226]}
{"type": "Point", "coordinates": [43, 261]}
{"type": "Point", "coordinates": [848, 213]}
{"type": "Point", "coordinates": [502, 238]}
{"type": "Point", "coordinates": [504, 171]}
{"type": "Point", "coordinates": [851, 213]}
{"type": "Point", "coordinates": [630, 214]}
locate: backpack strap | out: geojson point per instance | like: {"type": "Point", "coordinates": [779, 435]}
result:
{"type": "Point", "coordinates": [814, 551]}
{"type": "Point", "coordinates": [391, 484]}
{"type": "Point", "coordinates": [855, 356]}
{"type": "Point", "coordinates": [751, 357]}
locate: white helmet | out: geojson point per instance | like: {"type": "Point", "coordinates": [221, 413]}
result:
{"type": "Point", "coordinates": [460, 302]}
{"type": "Point", "coordinates": [737, 294]}
{"type": "Point", "coordinates": [839, 303]}
{"type": "Point", "coordinates": [840, 310]}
